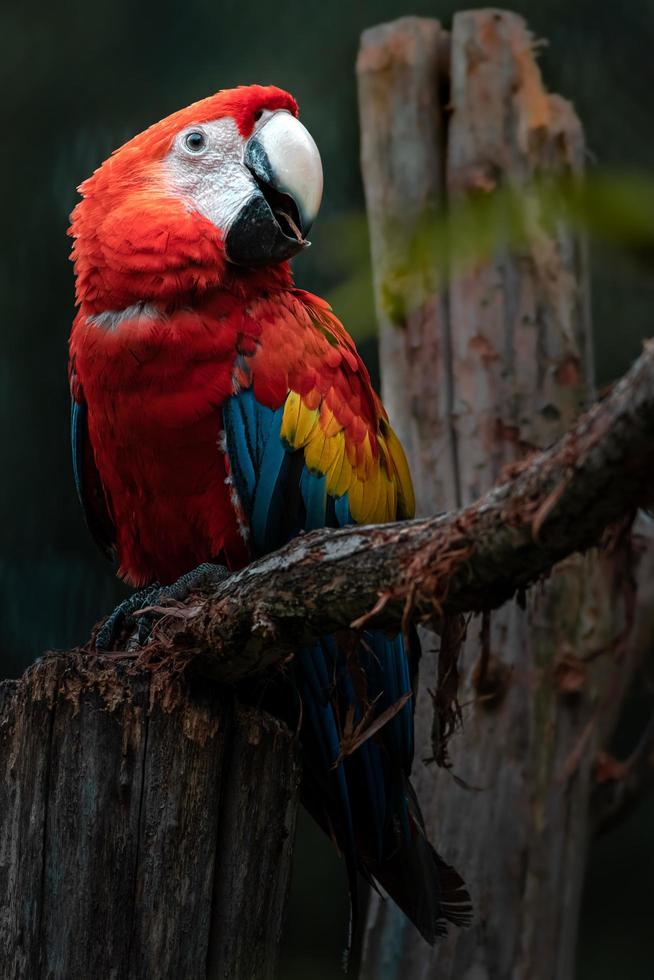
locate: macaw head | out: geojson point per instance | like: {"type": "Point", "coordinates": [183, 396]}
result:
{"type": "Point", "coordinates": [231, 182]}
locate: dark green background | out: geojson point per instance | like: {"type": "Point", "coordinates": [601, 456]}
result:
{"type": "Point", "coordinates": [78, 79]}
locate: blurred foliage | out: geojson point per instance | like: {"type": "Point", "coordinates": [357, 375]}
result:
{"type": "Point", "coordinates": [613, 209]}
{"type": "Point", "coordinates": [81, 78]}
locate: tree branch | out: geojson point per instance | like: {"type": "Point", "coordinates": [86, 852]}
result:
{"type": "Point", "coordinates": [555, 503]}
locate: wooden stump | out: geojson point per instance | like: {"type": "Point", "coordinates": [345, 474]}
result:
{"type": "Point", "coordinates": [146, 827]}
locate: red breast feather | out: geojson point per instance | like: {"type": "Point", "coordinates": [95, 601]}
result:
{"type": "Point", "coordinates": [153, 389]}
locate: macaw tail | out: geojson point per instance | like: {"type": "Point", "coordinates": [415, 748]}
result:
{"type": "Point", "coordinates": [361, 794]}
{"type": "Point", "coordinates": [426, 889]}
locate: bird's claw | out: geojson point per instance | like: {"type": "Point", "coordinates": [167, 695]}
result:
{"type": "Point", "coordinates": [127, 627]}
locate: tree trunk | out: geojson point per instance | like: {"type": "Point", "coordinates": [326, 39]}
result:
{"type": "Point", "coordinates": [146, 827]}
{"type": "Point", "coordinates": [492, 361]}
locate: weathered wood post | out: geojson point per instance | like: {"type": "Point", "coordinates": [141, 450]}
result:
{"type": "Point", "coordinates": [479, 366]}
{"type": "Point", "coordinates": [146, 826]}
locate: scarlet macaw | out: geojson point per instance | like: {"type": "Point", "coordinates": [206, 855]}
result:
{"type": "Point", "coordinates": [218, 410]}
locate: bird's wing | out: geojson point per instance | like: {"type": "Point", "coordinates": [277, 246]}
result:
{"type": "Point", "coordinates": [308, 446]}
{"type": "Point", "coordinates": [87, 479]}
{"type": "Point", "coordinates": [305, 384]}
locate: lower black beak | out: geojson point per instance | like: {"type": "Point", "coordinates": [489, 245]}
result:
{"type": "Point", "coordinates": [266, 231]}
{"type": "Point", "coordinates": [284, 164]}
{"type": "Point", "coordinates": [284, 208]}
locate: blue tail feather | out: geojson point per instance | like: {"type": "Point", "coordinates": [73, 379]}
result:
{"type": "Point", "coordinates": [315, 688]}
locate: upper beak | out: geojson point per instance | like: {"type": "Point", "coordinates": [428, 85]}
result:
{"type": "Point", "coordinates": [285, 164]}
{"type": "Point", "coordinates": [285, 161]}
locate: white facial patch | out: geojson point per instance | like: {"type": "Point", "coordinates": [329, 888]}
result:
{"type": "Point", "coordinates": [214, 181]}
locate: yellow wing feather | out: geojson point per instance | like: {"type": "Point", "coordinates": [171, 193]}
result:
{"type": "Point", "coordinates": [355, 500]}
{"type": "Point", "coordinates": [298, 421]}
{"type": "Point", "coordinates": [313, 449]}
{"type": "Point", "coordinates": [290, 420]}
{"type": "Point", "coordinates": [378, 482]}
{"type": "Point", "coordinates": [331, 449]}
{"type": "Point", "coordinates": [406, 501]}
{"type": "Point", "coordinates": [342, 477]}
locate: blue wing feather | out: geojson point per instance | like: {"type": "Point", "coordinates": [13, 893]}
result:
{"type": "Point", "coordinates": [282, 497]}
{"type": "Point", "coordinates": [87, 481]}
{"type": "Point", "coordinates": [269, 494]}
{"type": "Point", "coordinates": [77, 428]}
{"type": "Point", "coordinates": [240, 423]}
{"type": "Point", "coordinates": [342, 507]}
{"type": "Point", "coordinates": [314, 494]}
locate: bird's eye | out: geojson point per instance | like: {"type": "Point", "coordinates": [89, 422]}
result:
{"type": "Point", "coordinates": [195, 142]}
{"type": "Point", "coordinates": [258, 115]}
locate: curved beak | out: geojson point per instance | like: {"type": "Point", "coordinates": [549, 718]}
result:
{"type": "Point", "coordinates": [285, 165]}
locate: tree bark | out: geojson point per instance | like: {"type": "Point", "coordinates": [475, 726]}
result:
{"type": "Point", "coordinates": [509, 340]}
{"type": "Point", "coordinates": [146, 827]}
{"type": "Point", "coordinates": [402, 69]}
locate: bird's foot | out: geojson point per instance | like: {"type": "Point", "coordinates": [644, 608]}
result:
{"type": "Point", "coordinates": [128, 627]}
